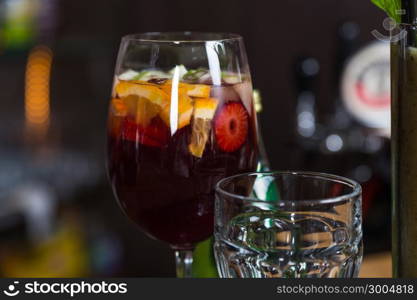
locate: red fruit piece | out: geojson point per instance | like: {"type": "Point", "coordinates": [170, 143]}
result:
{"type": "Point", "coordinates": [156, 134]}
{"type": "Point", "coordinates": [231, 126]}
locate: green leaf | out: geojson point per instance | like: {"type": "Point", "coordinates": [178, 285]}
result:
{"type": "Point", "coordinates": [204, 265]}
{"type": "Point", "coordinates": [391, 7]}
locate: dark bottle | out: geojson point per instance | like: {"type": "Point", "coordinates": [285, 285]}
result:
{"type": "Point", "coordinates": [349, 135]}
{"type": "Point", "coordinates": [404, 143]}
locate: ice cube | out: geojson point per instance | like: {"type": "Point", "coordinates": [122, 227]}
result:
{"type": "Point", "coordinates": [245, 93]}
{"type": "Point", "coordinates": [226, 93]}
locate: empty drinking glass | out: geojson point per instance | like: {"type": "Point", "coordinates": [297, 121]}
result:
{"type": "Point", "coordinates": [288, 224]}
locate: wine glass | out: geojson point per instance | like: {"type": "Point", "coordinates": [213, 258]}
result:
{"type": "Point", "coordinates": [288, 224]}
{"type": "Point", "coordinates": [181, 118]}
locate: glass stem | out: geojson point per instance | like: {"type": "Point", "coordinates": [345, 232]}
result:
{"type": "Point", "coordinates": [184, 263]}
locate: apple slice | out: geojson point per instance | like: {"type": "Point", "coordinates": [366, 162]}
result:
{"type": "Point", "coordinates": [128, 75]}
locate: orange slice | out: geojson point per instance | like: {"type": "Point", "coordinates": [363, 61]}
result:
{"type": "Point", "coordinates": [118, 107]}
{"type": "Point", "coordinates": [143, 82]}
{"type": "Point", "coordinates": [167, 88]}
{"type": "Point", "coordinates": [185, 111]}
{"type": "Point", "coordinates": [141, 109]}
{"type": "Point", "coordinates": [192, 90]}
{"type": "Point", "coordinates": [199, 90]}
{"type": "Point", "coordinates": [118, 110]}
{"type": "Point", "coordinates": [146, 111]}
{"type": "Point", "coordinates": [205, 108]}
{"type": "Point", "coordinates": [148, 91]}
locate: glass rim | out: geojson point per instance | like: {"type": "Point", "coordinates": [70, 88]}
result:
{"type": "Point", "coordinates": [356, 188]}
{"type": "Point", "coordinates": [203, 37]}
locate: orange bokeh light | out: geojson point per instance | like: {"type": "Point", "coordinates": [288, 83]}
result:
{"type": "Point", "coordinates": [37, 102]}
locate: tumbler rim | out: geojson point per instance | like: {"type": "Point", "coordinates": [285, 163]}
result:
{"type": "Point", "coordinates": [355, 193]}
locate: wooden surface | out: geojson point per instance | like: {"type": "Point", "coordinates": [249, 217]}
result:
{"type": "Point", "coordinates": [376, 266]}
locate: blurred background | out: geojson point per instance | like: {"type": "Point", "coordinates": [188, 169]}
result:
{"type": "Point", "coordinates": [323, 80]}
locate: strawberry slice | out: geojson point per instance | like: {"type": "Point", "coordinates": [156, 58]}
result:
{"type": "Point", "coordinates": [156, 134]}
{"type": "Point", "coordinates": [231, 126]}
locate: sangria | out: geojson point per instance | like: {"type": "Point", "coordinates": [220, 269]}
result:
{"type": "Point", "coordinates": [175, 130]}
